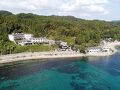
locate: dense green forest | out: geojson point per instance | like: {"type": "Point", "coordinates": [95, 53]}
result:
{"type": "Point", "coordinates": [78, 32]}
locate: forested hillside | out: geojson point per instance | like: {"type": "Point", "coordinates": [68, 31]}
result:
{"type": "Point", "coordinates": [78, 32]}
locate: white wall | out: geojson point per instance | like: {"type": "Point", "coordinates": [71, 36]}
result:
{"type": "Point", "coordinates": [11, 37]}
{"type": "Point", "coordinates": [93, 51]}
{"type": "Point", "coordinates": [28, 36]}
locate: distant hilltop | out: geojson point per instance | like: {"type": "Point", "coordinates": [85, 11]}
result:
{"type": "Point", "coordinates": [116, 22]}
{"type": "Point", "coordinates": [2, 12]}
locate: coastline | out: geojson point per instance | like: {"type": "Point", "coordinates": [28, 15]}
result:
{"type": "Point", "coordinates": [54, 54]}
{"type": "Point", "coordinates": [37, 55]}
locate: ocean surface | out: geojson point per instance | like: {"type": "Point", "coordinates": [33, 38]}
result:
{"type": "Point", "coordinates": [90, 73]}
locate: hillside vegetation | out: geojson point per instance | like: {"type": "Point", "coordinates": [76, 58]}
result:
{"type": "Point", "coordinates": [78, 32]}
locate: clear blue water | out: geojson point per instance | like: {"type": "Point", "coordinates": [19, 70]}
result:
{"type": "Point", "coordinates": [91, 73]}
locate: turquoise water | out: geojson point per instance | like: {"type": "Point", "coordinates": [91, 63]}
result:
{"type": "Point", "coordinates": [101, 73]}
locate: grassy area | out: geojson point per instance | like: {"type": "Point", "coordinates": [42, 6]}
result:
{"type": "Point", "coordinates": [34, 48]}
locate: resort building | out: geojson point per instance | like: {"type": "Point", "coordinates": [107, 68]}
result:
{"type": "Point", "coordinates": [63, 46]}
{"type": "Point", "coordinates": [28, 36]}
{"type": "Point", "coordinates": [24, 42]}
{"type": "Point", "coordinates": [95, 50]}
{"type": "Point", "coordinates": [106, 49]}
{"type": "Point", "coordinates": [39, 40]}
{"type": "Point", "coordinates": [28, 39]}
{"type": "Point", "coordinates": [19, 36]}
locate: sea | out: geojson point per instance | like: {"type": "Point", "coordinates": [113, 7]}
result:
{"type": "Point", "coordinates": [87, 73]}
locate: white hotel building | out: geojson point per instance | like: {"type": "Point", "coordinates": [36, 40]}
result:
{"type": "Point", "coordinates": [28, 39]}
{"type": "Point", "coordinates": [39, 40]}
{"type": "Point", "coordinates": [96, 50]}
{"type": "Point", "coordinates": [19, 36]}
